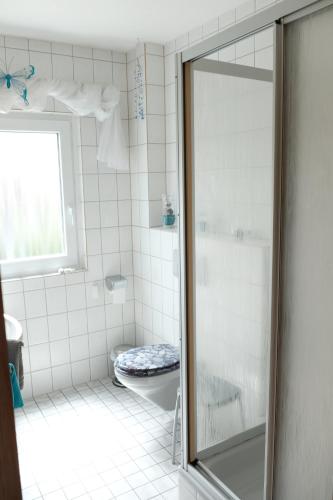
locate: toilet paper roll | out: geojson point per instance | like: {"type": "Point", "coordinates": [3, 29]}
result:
{"type": "Point", "coordinates": [119, 296]}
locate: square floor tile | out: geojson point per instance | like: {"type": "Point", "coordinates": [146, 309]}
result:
{"type": "Point", "coordinates": [146, 492]}
{"type": "Point", "coordinates": [137, 479]}
{"type": "Point", "coordinates": [74, 490]}
{"type": "Point", "coordinates": [31, 493]}
{"type": "Point", "coordinates": [101, 494]}
{"type": "Point", "coordinates": [119, 487]}
{"type": "Point", "coordinates": [55, 495]}
{"type": "Point", "coordinates": [163, 484]}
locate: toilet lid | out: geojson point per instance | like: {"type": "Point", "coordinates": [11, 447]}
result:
{"type": "Point", "coordinates": [148, 360]}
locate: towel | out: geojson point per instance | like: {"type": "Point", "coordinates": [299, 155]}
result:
{"type": "Point", "coordinates": [16, 393]}
{"type": "Point", "coordinates": [15, 357]}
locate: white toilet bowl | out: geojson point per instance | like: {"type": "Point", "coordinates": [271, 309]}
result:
{"type": "Point", "coordinates": [160, 389]}
{"type": "Point", "coordinates": [152, 372]}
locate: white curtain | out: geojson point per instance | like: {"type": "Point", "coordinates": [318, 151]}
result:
{"type": "Point", "coordinates": [101, 101]}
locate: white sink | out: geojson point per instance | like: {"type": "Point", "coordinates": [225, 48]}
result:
{"type": "Point", "coordinates": [13, 328]}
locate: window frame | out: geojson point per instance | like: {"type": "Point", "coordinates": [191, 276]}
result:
{"type": "Point", "coordinates": [63, 126]}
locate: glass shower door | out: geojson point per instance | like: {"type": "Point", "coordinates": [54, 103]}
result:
{"type": "Point", "coordinates": [232, 220]}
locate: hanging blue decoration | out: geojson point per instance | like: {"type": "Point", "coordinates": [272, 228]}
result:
{"type": "Point", "coordinates": [139, 91]}
{"type": "Point", "coordinates": [16, 80]}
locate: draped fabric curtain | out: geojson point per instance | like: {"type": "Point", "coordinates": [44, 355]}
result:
{"type": "Point", "coordinates": [101, 101]}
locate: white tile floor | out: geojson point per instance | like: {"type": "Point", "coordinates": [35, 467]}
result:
{"type": "Point", "coordinates": [95, 441]}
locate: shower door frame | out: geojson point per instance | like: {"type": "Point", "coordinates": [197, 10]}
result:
{"type": "Point", "coordinates": [275, 16]}
{"type": "Point", "coordinates": [191, 461]}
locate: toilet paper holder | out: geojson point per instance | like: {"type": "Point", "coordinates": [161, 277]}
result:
{"type": "Point", "coordinates": [115, 282]}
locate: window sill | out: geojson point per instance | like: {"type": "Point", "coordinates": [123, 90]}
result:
{"type": "Point", "coordinates": [46, 275]}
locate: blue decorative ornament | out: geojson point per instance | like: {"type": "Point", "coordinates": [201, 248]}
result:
{"type": "Point", "coordinates": [15, 81]}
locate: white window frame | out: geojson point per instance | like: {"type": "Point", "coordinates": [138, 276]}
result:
{"type": "Point", "coordinates": [63, 126]}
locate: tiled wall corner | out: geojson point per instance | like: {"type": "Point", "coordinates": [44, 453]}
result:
{"type": "Point", "coordinates": [155, 83]}
{"type": "Point", "coordinates": [147, 135]}
{"type": "Point", "coordinates": [155, 286]}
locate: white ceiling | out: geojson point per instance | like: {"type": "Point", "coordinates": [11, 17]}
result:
{"type": "Point", "coordinates": [107, 23]}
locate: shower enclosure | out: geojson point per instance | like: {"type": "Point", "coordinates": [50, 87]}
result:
{"type": "Point", "coordinates": [229, 187]}
{"type": "Point", "coordinates": [255, 133]}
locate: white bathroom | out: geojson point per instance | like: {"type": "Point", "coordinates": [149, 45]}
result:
{"type": "Point", "coordinates": [117, 287]}
{"type": "Point", "coordinates": [156, 212]}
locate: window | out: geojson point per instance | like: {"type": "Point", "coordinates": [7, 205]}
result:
{"type": "Point", "coordinates": [37, 200]}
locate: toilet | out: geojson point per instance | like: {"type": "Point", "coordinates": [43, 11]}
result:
{"type": "Point", "coordinates": [152, 371]}
{"type": "Point", "coordinates": [118, 349]}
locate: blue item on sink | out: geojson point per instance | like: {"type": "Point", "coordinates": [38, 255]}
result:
{"type": "Point", "coordinates": [148, 360]}
{"type": "Point", "coordinates": [16, 393]}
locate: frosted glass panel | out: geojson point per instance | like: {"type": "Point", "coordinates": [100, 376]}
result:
{"type": "Point", "coordinates": [30, 196]}
{"type": "Point", "coordinates": [233, 200]}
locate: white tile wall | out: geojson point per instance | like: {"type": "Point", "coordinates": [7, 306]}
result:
{"type": "Point", "coordinates": [147, 137]}
{"type": "Point", "coordinates": [254, 51]}
{"type": "Point", "coordinates": [156, 287]}
{"type": "Point", "coordinates": [155, 291]}
{"type": "Point", "coordinates": [68, 330]}
{"type": "Point", "coordinates": [118, 216]}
